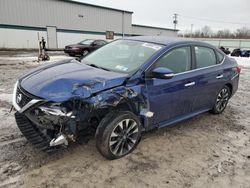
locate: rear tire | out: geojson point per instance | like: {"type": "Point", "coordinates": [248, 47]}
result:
{"type": "Point", "coordinates": [118, 134]}
{"type": "Point", "coordinates": [221, 100]}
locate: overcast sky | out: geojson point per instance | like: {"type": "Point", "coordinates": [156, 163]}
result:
{"type": "Point", "coordinates": [196, 12]}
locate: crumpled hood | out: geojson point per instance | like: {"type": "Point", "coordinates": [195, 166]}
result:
{"type": "Point", "coordinates": [66, 79]}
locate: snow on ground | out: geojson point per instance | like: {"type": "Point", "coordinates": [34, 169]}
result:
{"type": "Point", "coordinates": [6, 97]}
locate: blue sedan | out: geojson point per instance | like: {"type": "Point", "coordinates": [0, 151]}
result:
{"type": "Point", "coordinates": [128, 86]}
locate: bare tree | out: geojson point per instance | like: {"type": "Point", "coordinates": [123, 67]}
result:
{"type": "Point", "coordinates": [206, 31]}
{"type": "Point", "coordinates": [197, 34]}
{"type": "Point", "coordinates": [243, 32]}
{"type": "Point", "coordinates": [226, 33]}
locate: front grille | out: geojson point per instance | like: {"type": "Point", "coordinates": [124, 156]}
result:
{"type": "Point", "coordinates": [22, 98]}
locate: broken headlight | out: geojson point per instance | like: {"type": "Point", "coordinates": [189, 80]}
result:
{"type": "Point", "coordinates": [50, 115]}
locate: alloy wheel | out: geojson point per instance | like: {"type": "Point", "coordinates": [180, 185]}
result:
{"type": "Point", "coordinates": [124, 137]}
{"type": "Point", "coordinates": [222, 99]}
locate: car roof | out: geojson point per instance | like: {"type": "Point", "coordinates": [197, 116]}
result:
{"type": "Point", "coordinates": [167, 40]}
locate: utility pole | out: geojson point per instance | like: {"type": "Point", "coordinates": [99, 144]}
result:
{"type": "Point", "coordinates": [175, 22]}
{"type": "Point", "coordinates": [123, 15]}
{"type": "Point", "coordinates": [192, 25]}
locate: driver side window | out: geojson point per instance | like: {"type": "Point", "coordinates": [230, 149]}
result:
{"type": "Point", "coordinates": [177, 60]}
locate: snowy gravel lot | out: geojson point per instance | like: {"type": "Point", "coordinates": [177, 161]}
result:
{"type": "Point", "coordinates": [205, 151]}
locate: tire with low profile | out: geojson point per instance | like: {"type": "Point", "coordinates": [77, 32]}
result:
{"type": "Point", "coordinates": [221, 100]}
{"type": "Point", "coordinates": [118, 134]}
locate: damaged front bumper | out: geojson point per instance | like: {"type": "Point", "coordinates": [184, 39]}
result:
{"type": "Point", "coordinates": [63, 122]}
{"type": "Point", "coordinates": [45, 116]}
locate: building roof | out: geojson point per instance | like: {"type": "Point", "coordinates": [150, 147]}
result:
{"type": "Point", "coordinates": [153, 27]}
{"type": "Point", "coordinates": [97, 6]}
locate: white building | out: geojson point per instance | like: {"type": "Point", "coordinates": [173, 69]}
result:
{"type": "Point", "coordinates": [62, 22]}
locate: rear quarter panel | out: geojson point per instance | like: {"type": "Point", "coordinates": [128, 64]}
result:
{"type": "Point", "coordinates": [230, 73]}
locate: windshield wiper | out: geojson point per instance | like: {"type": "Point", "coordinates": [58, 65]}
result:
{"type": "Point", "coordinates": [96, 66]}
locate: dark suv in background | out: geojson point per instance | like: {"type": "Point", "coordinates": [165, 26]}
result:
{"type": "Point", "coordinates": [240, 53]}
{"type": "Point", "coordinates": [84, 47]}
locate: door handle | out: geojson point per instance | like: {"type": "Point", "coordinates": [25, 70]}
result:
{"type": "Point", "coordinates": [219, 76]}
{"type": "Point", "coordinates": [189, 84]}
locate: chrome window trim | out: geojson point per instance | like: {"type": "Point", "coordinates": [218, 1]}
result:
{"type": "Point", "coordinates": [192, 70]}
{"type": "Point", "coordinates": [28, 105]}
{"type": "Point", "coordinates": [202, 68]}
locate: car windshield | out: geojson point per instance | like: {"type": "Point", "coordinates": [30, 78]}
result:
{"type": "Point", "coordinates": [86, 42]}
{"type": "Point", "coordinates": [124, 56]}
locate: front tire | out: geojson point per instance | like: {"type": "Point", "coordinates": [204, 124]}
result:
{"type": "Point", "coordinates": [85, 52]}
{"type": "Point", "coordinates": [118, 134]}
{"type": "Point", "coordinates": [221, 100]}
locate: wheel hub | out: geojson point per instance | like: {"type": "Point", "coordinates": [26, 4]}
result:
{"type": "Point", "coordinates": [124, 137]}
{"type": "Point", "coordinates": [222, 99]}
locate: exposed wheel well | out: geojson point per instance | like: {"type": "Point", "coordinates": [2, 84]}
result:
{"type": "Point", "coordinates": [95, 119]}
{"type": "Point", "coordinates": [128, 106]}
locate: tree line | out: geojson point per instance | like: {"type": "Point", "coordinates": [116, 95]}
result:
{"type": "Point", "coordinates": [207, 32]}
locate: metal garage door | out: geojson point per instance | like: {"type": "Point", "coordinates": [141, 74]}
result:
{"type": "Point", "coordinates": [51, 37]}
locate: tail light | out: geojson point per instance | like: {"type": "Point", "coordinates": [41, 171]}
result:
{"type": "Point", "coordinates": [238, 69]}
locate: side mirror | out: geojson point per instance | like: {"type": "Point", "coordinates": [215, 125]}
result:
{"type": "Point", "coordinates": [162, 73]}
{"type": "Point", "coordinates": [93, 44]}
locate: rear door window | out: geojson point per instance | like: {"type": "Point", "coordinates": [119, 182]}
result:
{"type": "Point", "coordinates": [205, 57]}
{"type": "Point", "coordinates": [220, 57]}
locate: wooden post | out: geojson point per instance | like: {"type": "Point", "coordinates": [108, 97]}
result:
{"type": "Point", "coordinates": [39, 46]}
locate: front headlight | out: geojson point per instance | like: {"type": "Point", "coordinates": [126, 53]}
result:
{"type": "Point", "coordinates": [55, 109]}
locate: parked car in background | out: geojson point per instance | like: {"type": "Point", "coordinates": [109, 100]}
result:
{"type": "Point", "coordinates": [128, 86]}
{"type": "Point", "coordinates": [84, 47]}
{"type": "Point", "coordinates": [240, 53]}
{"type": "Point", "coordinates": [225, 50]}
